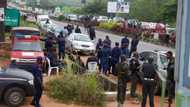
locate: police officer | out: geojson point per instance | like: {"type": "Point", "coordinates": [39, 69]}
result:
{"type": "Point", "coordinates": [105, 57]}
{"type": "Point", "coordinates": [115, 55]}
{"type": "Point", "coordinates": [170, 78]}
{"type": "Point", "coordinates": [107, 41]}
{"type": "Point", "coordinates": [49, 43]}
{"type": "Point", "coordinates": [134, 44]}
{"type": "Point", "coordinates": [99, 46]}
{"type": "Point", "coordinates": [124, 46]}
{"type": "Point", "coordinates": [149, 74]}
{"type": "Point", "coordinates": [134, 66]}
{"type": "Point", "coordinates": [122, 69]}
{"type": "Point", "coordinates": [38, 82]}
{"type": "Point", "coordinates": [61, 46]}
{"type": "Point", "coordinates": [77, 30]}
{"type": "Point", "coordinates": [92, 33]}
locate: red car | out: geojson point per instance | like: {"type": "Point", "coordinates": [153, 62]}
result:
{"type": "Point", "coordinates": [25, 52]}
{"type": "Point", "coordinates": [24, 32]}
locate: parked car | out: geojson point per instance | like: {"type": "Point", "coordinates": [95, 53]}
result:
{"type": "Point", "coordinates": [117, 19]}
{"type": "Point", "coordinates": [160, 62]}
{"type": "Point", "coordinates": [25, 53]}
{"type": "Point", "coordinates": [72, 17]}
{"type": "Point", "coordinates": [15, 85]}
{"type": "Point", "coordinates": [77, 42]}
{"type": "Point", "coordinates": [102, 19]}
{"type": "Point", "coordinates": [24, 32]}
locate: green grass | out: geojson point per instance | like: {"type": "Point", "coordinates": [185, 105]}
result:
{"type": "Point", "coordinates": [28, 24]}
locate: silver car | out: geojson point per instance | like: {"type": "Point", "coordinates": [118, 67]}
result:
{"type": "Point", "coordinates": [77, 42]}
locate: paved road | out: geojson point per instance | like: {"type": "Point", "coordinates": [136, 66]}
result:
{"type": "Point", "coordinates": [143, 46]}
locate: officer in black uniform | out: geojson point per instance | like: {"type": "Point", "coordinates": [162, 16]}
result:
{"type": "Point", "coordinates": [38, 82]}
{"type": "Point", "coordinates": [170, 78]}
{"type": "Point", "coordinates": [149, 74]}
{"type": "Point", "coordinates": [122, 69]}
{"type": "Point", "coordinates": [134, 66]}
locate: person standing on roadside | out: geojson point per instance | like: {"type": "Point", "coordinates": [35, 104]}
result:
{"type": "Point", "coordinates": [77, 30]}
{"type": "Point", "coordinates": [105, 56]}
{"type": "Point", "coordinates": [99, 46]}
{"type": "Point", "coordinates": [92, 33]}
{"type": "Point", "coordinates": [122, 69]}
{"type": "Point", "coordinates": [170, 78]}
{"type": "Point", "coordinates": [38, 82]}
{"type": "Point", "coordinates": [61, 46]}
{"type": "Point", "coordinates": [134, 66]}
{"type": "Point", "coordinates": [124, 46]}
{"type": "Point", "coordinates": [149, 75]}
{"type": "Point", "coordinates": [107, 41]}
{"type": "Point", "coordinates": [116, 53]}
{"type": "Point", "coordinates": [134, 44]}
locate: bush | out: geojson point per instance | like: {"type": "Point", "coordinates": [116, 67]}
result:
{"type": "Point", "coordinates": [61, 18]}
{"type": "Point", "coordinates": [83, 89]}
{"type": "Point", "coordinates": [108, 25]}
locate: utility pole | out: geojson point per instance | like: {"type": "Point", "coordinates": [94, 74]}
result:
{"type": "Point", "coordinates": [182, 66]}
{"type": "Point", "coordinates": [3, 4]}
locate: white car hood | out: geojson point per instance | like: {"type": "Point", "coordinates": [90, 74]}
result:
{"type": "Point", "coordinates": [83, 43]}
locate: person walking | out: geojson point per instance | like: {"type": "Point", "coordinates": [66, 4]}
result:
{"type": "Point", "coordinates": [105, 56]}
{"type": "Point", "coordinates": [134, 44]}
{"type": "Point", "coordinates": [115, 55]}
{"type": "Point", "coordinates": [170, 78]}
{"type": "Point", "coordinates": [77, 30]}
{"type": "Point", "coordinates": [149, 74]}
{"type": "Point", "coordinates": [122, 69]}
{"type": "Point", "coordinates": [38, 82]}
{"type": "Point", "coordinates": [61, 47]}
{"type": "Point", "coordinates": [92, 33]}
{"type": "Point", "coordinates": [107, 41]}
{"type": "Point", "coordinates": [134, 66]}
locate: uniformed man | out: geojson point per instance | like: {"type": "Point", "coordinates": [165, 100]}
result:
{"type": "Point", "coordinates": [99, 46]}
{"type": "Point", "coordinates": [170, 78]}
{"type": "Point", "coordinates": [105, 58]}
{"type": "Point", "coordinates": [134, 44]}
{"type": "Point", "coordinates": [38, 82]}
{"type": "Point", "coordinates": [77, 30]}
{"type": "Point", "coordinates": [61, 46]}
{"type": "Point", "coordinates": [149, 74]}
{"type": "Point", "coordinates": [115, 55]}
{"type": "Point", "coordinates": [124, 47]}
{"type": "Point", "coordinates": [134, 66]}
{"type": "Point", "coordinates": [49, 43]}
{"type": "Point", "coordinates": [107, 41]}
{"type": "Point", "coordinates": [122, 69]}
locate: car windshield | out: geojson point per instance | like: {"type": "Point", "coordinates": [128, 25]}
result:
{"type": "Point", "coordinates": [83, 38]}
{"type": "Point", "coordinates": [163, 59]}
{"type": "Point", "coordinates": [20, 33]}
{"type": "Point", "coordinates": [27, 46]}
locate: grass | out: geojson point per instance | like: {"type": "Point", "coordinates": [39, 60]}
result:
{"type": "Point", "coordinates": [28, 24]}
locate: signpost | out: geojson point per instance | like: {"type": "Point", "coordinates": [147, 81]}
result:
{"type": "Point", "coordinates": [3, 4]}
{"type": "Point", "coordinates": [183, 54]}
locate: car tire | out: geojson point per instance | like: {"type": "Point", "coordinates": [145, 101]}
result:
{"type": "Point", "coordinates": [14, 97]}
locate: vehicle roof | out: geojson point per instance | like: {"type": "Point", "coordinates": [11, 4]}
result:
{"type": "Point", "coordinates": [25, 28]}
{"type": "Point", "coordinates": [79, 34]}
{"type": "Point", "coordinates": [163, 52]}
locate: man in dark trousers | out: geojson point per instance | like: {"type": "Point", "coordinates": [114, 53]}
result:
{"type": "Point", "coordinates": [99, 46]}
{"type": "Point", "coordinates": [77, 30]}
{"type": "Point", "coordinates": [105, 56]}
{"type": "Point", "coordinates": [170, 78]}
{"type": "Point", "coordinates": [149, 74]}
{"type": "Point", "coordinates": [124, 46]}
{"type": "Point", "coordinates": [38, 82]}
{"type": "Point", "coordinates": [134, 66]}
{"type": "Point", "coordinates": [115, 55]}
{"type": "Point", "coordinates": [122, 69]}
{"type": "Point", "coordinates": [61, 46]}
{"type": "Point", "coordinates": [134, 44]}
{"type": "Point", "coordinates": [92, 33]}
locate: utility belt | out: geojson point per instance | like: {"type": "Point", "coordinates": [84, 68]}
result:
{"type": "Point", "coordinates": [149, 79]}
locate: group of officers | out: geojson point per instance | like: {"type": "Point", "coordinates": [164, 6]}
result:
{"type": "Point", "coordinates": [125, 64]}
{"type": "Point", "coordinates": [116, 61]}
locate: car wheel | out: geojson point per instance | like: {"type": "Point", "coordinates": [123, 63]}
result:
{"type": "Point", "coordinates": [14, 97]}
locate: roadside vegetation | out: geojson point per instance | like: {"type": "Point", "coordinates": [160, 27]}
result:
{"type": "Point", "coordinates": [80, 89]}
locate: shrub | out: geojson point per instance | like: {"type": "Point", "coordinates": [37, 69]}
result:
{"type": "Point", "coordinates": [108, 25]}
{"type": "Point", "coordinates": [61, 18]}
{"type": "Point", "coordinates": [83, 89]}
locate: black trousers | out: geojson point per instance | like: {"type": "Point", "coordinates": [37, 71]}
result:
{"type": "Point", "coordinates": [134, 81]}
{"type": "Point", "coordinates": [148, 90]}
{"type": "Point", "coordinates": [37, 96]}
{"type": "Point", "coordinates": [121, 90]}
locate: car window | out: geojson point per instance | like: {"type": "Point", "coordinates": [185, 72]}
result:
{"type": "Point", "coordinates": [21, 33]}
{"type": "Point", "coordinates": [83, 38]}
{"type": "Point", "coordinates": [146, 55]}
{"type": "Point", "coordinates": [27, 46]}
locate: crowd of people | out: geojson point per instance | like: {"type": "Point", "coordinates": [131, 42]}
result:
{"type": "Point", "coordinates": [120, 61]}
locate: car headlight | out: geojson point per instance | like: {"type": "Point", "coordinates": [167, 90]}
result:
{"type": "Point", "coordinates": [31, 82]}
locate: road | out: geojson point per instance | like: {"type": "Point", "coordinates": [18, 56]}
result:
{"type": "Point", "coordinates": [143, 46]}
